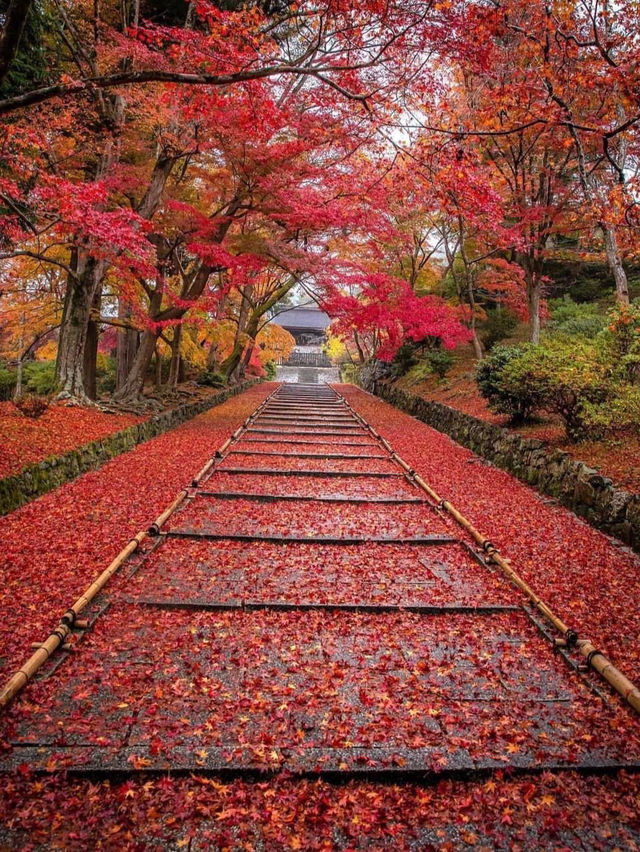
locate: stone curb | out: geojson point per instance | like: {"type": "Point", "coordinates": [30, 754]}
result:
{"type": "Point", "coordinates": [574, 484]}
{"type": "Point", "coordinates": [44, 476]}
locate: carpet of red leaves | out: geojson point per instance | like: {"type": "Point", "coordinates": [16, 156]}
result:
{"type": "Point", "coordinates": [53, 547]}
{"type": "Point", "coordinates": [617, 457]}
{"type": "Point", "coordinates": [591, 581]}
{"type": "Point", "coordinates": [564, 812]}
{"type": "Point", "coordinates": [74, 531]}
{"type": "Point", "coordinates": [25, 440]}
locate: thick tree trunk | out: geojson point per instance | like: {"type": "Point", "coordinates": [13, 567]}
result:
{"type": "Point", "coordinates": [477, 346]}
{"type": "Point", "coordinates": [212, 357]}
{"type": "Point", "coordinates": [132, 387]}
{"type": "Point", "coordinates": [244, 363]}
{"type": "Point", "coordinates": [615, 263]}
{"type": "Point", "coordinates": [475, 340]}
{"type": "Point", "coordinates": [356, 340]}
{"type": "Point", "coordinates": [126, 345]}
{"type": "Point", "coordinates": [89, 370]}
{"type": "Point", "coordinates": [82, 290]}
{"type": "Point", "coordinates": [230, 363]}
{"type": "Point", "coordinates": [533, 297]}
{"type": "Point", "coordinates": [90, 367]}
{"type": "Point", "coordinates": [158, 360]}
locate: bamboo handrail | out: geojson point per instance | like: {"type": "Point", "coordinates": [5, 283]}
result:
{"type": "Point", "coordinates": [594, 658]}
{"type": "Point", "coordinates": [59, 636]}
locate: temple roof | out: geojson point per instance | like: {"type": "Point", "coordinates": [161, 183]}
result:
{"type": "Point", "coordinates": [304, 319]}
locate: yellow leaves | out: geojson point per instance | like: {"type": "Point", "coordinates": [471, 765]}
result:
{"type": "Point", "coordinates": [138, 762]}
{"type": "Point", "coordinates": [274, 342]}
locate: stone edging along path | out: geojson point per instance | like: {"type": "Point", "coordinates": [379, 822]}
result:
{"type": "Point", "coordinates": [54, 471]}
{"type": "Point", "coordinates": [554, 472]}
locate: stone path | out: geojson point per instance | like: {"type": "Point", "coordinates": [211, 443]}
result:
{"type": "Point", "coordinates": [308, 610]}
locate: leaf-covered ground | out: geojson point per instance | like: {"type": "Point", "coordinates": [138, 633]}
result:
{"type": "Point", "coordinates": [168, 677]}
{"type": "Point", "coordinates": [587, 577]}
{"type": "Point", "coordinates": [53, 547]}
{"type": "Point", "coordinates": [617, 457]}
{"type": "Point", "coordinates": [25, 440]}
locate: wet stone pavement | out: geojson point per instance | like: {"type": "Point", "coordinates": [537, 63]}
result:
{"type": "Point", "coordinates": [308, 609]}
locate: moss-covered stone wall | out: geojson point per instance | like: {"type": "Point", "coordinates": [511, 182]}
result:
{"type": "Point", "coordinates": [554, 472]}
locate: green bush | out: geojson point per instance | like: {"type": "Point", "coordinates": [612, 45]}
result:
{"type": "Point", "coordinates": [570, 319]}
{"type": "Point", "coordinates": [565, 376]}
{"type": "Point", "coordinates": [212, 379]}
{"type": "Point", "coordinates": [621, 342]}
{"type": "Point", "coordinates": [618, 413]}
{"type": "Point", "coordinates": [349, 373]}
{"type": "Point", "coordinates": [270, 370]}
{"type": "Point", "coordinates": [404, 360]}
{"type": "Point", "coordinates": [7, 384]}
{"type": "Point", "coordinates": [500, 323]}
{"type": "Point", "coordinates": [39, 377]}
{"type": "Point", "coordinates": [418, 373]}
{"type": "Point", "coordinates": [440, 361]}
{"type": "Point", "coordinates": [106, 374]}
{"type": "Point", "coordinates": [518, 401]}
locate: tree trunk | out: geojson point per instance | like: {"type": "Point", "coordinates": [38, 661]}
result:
{"type": "Point", "coordinates": [126, 345]}
{"type": "Point", "coordinates": [90, 366]}
{"type": "Point", "coordinates": [477, 346]}
{"type": "Point", "coordinates": [158, 368]}
{"type": "Point", "coordinates": [230, 363]}
{"type": "Point", "coordinates": [174, 367]}
{"type": "Point", "coordinates": [82, 289]}
{"type": "Point", "coordinates": [615, 263]}
{"type": "Point", "coordinates": [238, 375]}
{"type": "Point", "coordinates": [18, 391]}
{"type": "Point", "coordinates": [475, 340]}
{"type": "Point", "coordinates": [533, 297]}
{"type": "Point", "coordinates": [132, 387]}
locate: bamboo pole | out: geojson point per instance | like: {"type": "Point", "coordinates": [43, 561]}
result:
{"type": "Point", "coordinates": [594, 658]}
{"type": "Point", "coordinates": [62, 632]}
{"type": "Point", "coordinates": [154, 529]}
{"type": "Point", "coordinates": [59, 636]}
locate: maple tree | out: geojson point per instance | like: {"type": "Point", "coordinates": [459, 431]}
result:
{"type": "Point", "coordinates": [189, 148]}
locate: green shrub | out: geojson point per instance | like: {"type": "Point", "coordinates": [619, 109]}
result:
{"type": "Point", "coordinates": [270, 370]}
{"type": "Point", "coordinates": [39, 377]}
{"type": "Point", "coordinates": [404, 360]}
{"type": "Point", "coordinates": [7, 384]}
{"type": "Point", "coordinates": [106, 373]}
{"type": "Point", "coordinates": [440, 361]}
{"type": "Point", "coordinates": [418, 373]}
{"type": "Point", "coordinates": [564, 377]}
{"type": "Point", "coordinates": [518, 401]}
{"type": "Point", "coordinates": [619, 412]}
{"type": "Point", "coordinates": [349, 373]}
{"type": "Point", "coordinates": [212, 379]}
{"type": "Point", "coordinates": [621, 342]}
{"type": "Point", "coordinates": [500, 323]}
{"type": "Point", "coordinates": [571, 319]}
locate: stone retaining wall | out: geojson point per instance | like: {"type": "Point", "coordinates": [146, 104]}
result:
{"type": "Point", "coordinates": [573, 483]}
{"type": "Point", "coordinates": [43, 476]}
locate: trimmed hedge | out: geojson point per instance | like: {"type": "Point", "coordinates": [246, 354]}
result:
{"type": "Point", "coordinates": [44, 476]}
